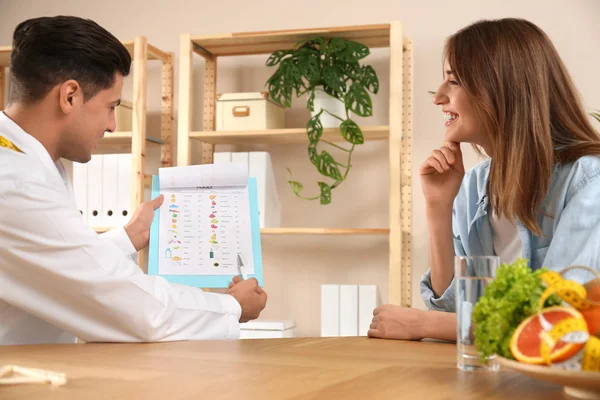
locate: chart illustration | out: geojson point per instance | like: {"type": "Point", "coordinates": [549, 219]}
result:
{"type": "Point", "coordinates": [207, 228]}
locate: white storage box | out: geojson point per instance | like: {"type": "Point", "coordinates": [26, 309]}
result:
{"type": "Point", "coordinates": [124, 116]}
{"type": "Point", "coordinates": [248, 112]}
{"type": "Point", "coordinates": [268, 329]}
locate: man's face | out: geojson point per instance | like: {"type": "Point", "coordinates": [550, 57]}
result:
{"type": "Point", "coordinates": [89, 120]}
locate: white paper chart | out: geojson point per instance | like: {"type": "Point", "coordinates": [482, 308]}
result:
{"type": "Point", "coordinates": [204, 220]}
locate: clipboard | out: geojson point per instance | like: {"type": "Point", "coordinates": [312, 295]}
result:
{"type": "Point", "coordinates": [207, 281]}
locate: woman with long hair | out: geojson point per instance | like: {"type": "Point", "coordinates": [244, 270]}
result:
{"type": "Point", "coordinates": [506, 92]}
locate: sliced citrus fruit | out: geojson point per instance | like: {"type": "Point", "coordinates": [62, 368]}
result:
{"type": "Point", "coordinates": [526, 341]}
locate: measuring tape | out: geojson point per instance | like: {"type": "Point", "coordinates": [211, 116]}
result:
{"type": "Point", "coordinates": [570, 291]}
{"type": "Point", "coordinates": [569, 330]}
{"type": "Point", "coordinates": [572, 330]}
{"type": "Point", "coordinates": [4, 142]}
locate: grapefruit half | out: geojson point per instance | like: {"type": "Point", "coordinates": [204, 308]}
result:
{"type": "Point", "coordinates": [526, 340]}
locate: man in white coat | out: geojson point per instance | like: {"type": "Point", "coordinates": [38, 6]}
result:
{"type": "Point", "coordinates": [59, 280]}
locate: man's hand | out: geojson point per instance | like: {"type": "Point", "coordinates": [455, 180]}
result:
{"type": "Point", "coordinates": [138, 229]}
{"type": "Point", "coordinates": [252, 298]}
{"type": "Point", "coordinates": [395, 322]}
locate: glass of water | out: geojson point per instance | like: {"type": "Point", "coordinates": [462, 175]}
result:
{"type": "Point", "coordinates": [471, 276]}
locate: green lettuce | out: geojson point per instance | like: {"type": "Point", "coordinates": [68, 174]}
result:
{"type": "Point", "coordinates": [510, 298]}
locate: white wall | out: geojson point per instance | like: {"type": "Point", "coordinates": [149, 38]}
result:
{"type": "Point", "coordinates": [296, 266]}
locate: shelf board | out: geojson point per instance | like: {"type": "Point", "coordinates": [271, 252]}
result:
{"type": "Point", "coordinates": [324, 231]}
{"type": "Point", "coordinates": [246, 43]}
{"type": "Point", "coordinates": [282, 136]}
{"type": "Point", "coordinates": [304, 231]}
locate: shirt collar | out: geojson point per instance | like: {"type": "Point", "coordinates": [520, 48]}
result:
{"type": "Point", "coordinates": [482, 186]}
{"type": "Point", "coordinates": [30, 146]}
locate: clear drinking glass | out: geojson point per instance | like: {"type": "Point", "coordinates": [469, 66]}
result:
{"type": "Point", "coordinates": [471, 276]}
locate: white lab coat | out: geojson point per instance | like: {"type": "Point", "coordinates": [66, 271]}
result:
{"type": "Point", "coordinates": [60, 280]}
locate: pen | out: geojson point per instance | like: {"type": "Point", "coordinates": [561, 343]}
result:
{"type": "Point", "coordinates": [241, 267]}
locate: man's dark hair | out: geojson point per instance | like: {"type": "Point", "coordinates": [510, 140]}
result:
{"type": "Point", "coordinates": [48, 51]}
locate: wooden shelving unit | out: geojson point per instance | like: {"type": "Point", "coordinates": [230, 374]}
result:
{"type": "Point", "coordinates": [133, 142]}
{"type": "Point", "coordinates": [398, 132]}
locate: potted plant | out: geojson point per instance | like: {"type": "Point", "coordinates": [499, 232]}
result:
{"type": "Point", "coordinates": [330, 67]}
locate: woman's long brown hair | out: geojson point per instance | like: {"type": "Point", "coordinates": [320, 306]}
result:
{"type": "Point", "coordinates": [529, 107]}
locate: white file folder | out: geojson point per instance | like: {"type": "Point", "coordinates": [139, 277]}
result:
{"type": "Point", "coordinates": [367, 301]}
{"type": "Point", "coordinates": [261, 168]}
{"type": "Point", "coordinates": [221, 157]}
{"type": "Point", "coordinates": [330, 310]}
{"type": "Point", "coordinates": [240, 157]}
{"type": "Point", "coordinates": [80, 188]}
{"type": "Point", "coordinates": [110, 175]}
{"type": "Point", "coordinates": [348, 310]}
{"type": "Point", "coordinates": [124, 188]}
{"type": "Point", "coordinates": [94, 190]}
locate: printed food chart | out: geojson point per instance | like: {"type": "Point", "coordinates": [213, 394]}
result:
{"type": "Point", "coordinates": [204, 227]}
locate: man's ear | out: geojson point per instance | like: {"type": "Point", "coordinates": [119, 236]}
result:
{"type": "Point", "coordinates": [70, 94]}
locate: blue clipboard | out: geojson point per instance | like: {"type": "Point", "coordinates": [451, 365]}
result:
{"type": "Point", "coordinates": [208, 281]}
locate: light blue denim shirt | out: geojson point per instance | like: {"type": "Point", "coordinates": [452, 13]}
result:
{"type": "Point", "coordinates": [570, 222]}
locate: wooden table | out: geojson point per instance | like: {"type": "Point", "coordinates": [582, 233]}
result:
{"type": "Point", "coordinates": [300, 368]}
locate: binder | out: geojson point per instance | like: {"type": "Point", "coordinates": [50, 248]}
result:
{"type": "Point", "coordinates": [110, 175]}
{"type": "Point", "coordinates": [330, 310]}
{"type": "Point", "coordinates": [348, 310]}
{"type": "Point", "coordinates": [367, 302]}
{"type": "Point", "coordinates": [240, 157]}
{"type": "Point", "coordinates": [80, 172]}
{"type": "Point", "coordinates": [261, 168]}
{"type": "Point", "coordinates": [222, 157]}
{"type": "Point", "coordinates": [124, 188]}
{"type": "Point", "coordinates": [94, 191]}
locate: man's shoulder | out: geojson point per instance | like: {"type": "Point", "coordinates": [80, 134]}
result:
{"type": "Point", "coordinates": [18, 168]}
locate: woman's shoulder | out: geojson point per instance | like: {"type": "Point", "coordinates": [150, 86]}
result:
{"type": "Point", "coordinates": [578, 174]}
{"type": "Point", "coordinates": [476, 177]}
{"type": "Point", "coordinates": [479, 170]}
{"type": "Point", "coordinates": [586, 164]}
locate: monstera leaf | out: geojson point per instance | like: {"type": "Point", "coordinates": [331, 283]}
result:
{"type": "Point", "coordinates": [314, 128]}
{"type": "Point", "coordinates": [352, 132]}
{"type": "Point", "coordinates": [327, 166]}
{"type": "Point", "coordinates": [325, 193]}
{"type": "Point", "coordinates": [358, 100]}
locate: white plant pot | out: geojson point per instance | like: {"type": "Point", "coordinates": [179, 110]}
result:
{"type": "Point", "coordinates": [331, 104]}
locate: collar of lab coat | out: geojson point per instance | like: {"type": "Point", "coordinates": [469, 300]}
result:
{"type": "Point", "coordinates": [31, 147]}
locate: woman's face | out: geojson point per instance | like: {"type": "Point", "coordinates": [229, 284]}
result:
{"type": "Point", "coordinates": [462, 123]}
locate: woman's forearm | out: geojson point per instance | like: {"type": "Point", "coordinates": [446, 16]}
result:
{"type": "Point", "coordinates": [441, 247]}
{"type": "Point", "coordinates": [440, 325]}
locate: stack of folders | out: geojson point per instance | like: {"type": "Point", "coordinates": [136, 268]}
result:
{"type": "Point", "coordinates": [347, 310]}
{"type": "Point", "coordinates": [102, 189]}
{"type": "Point", "coordinates": [261, 168]}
